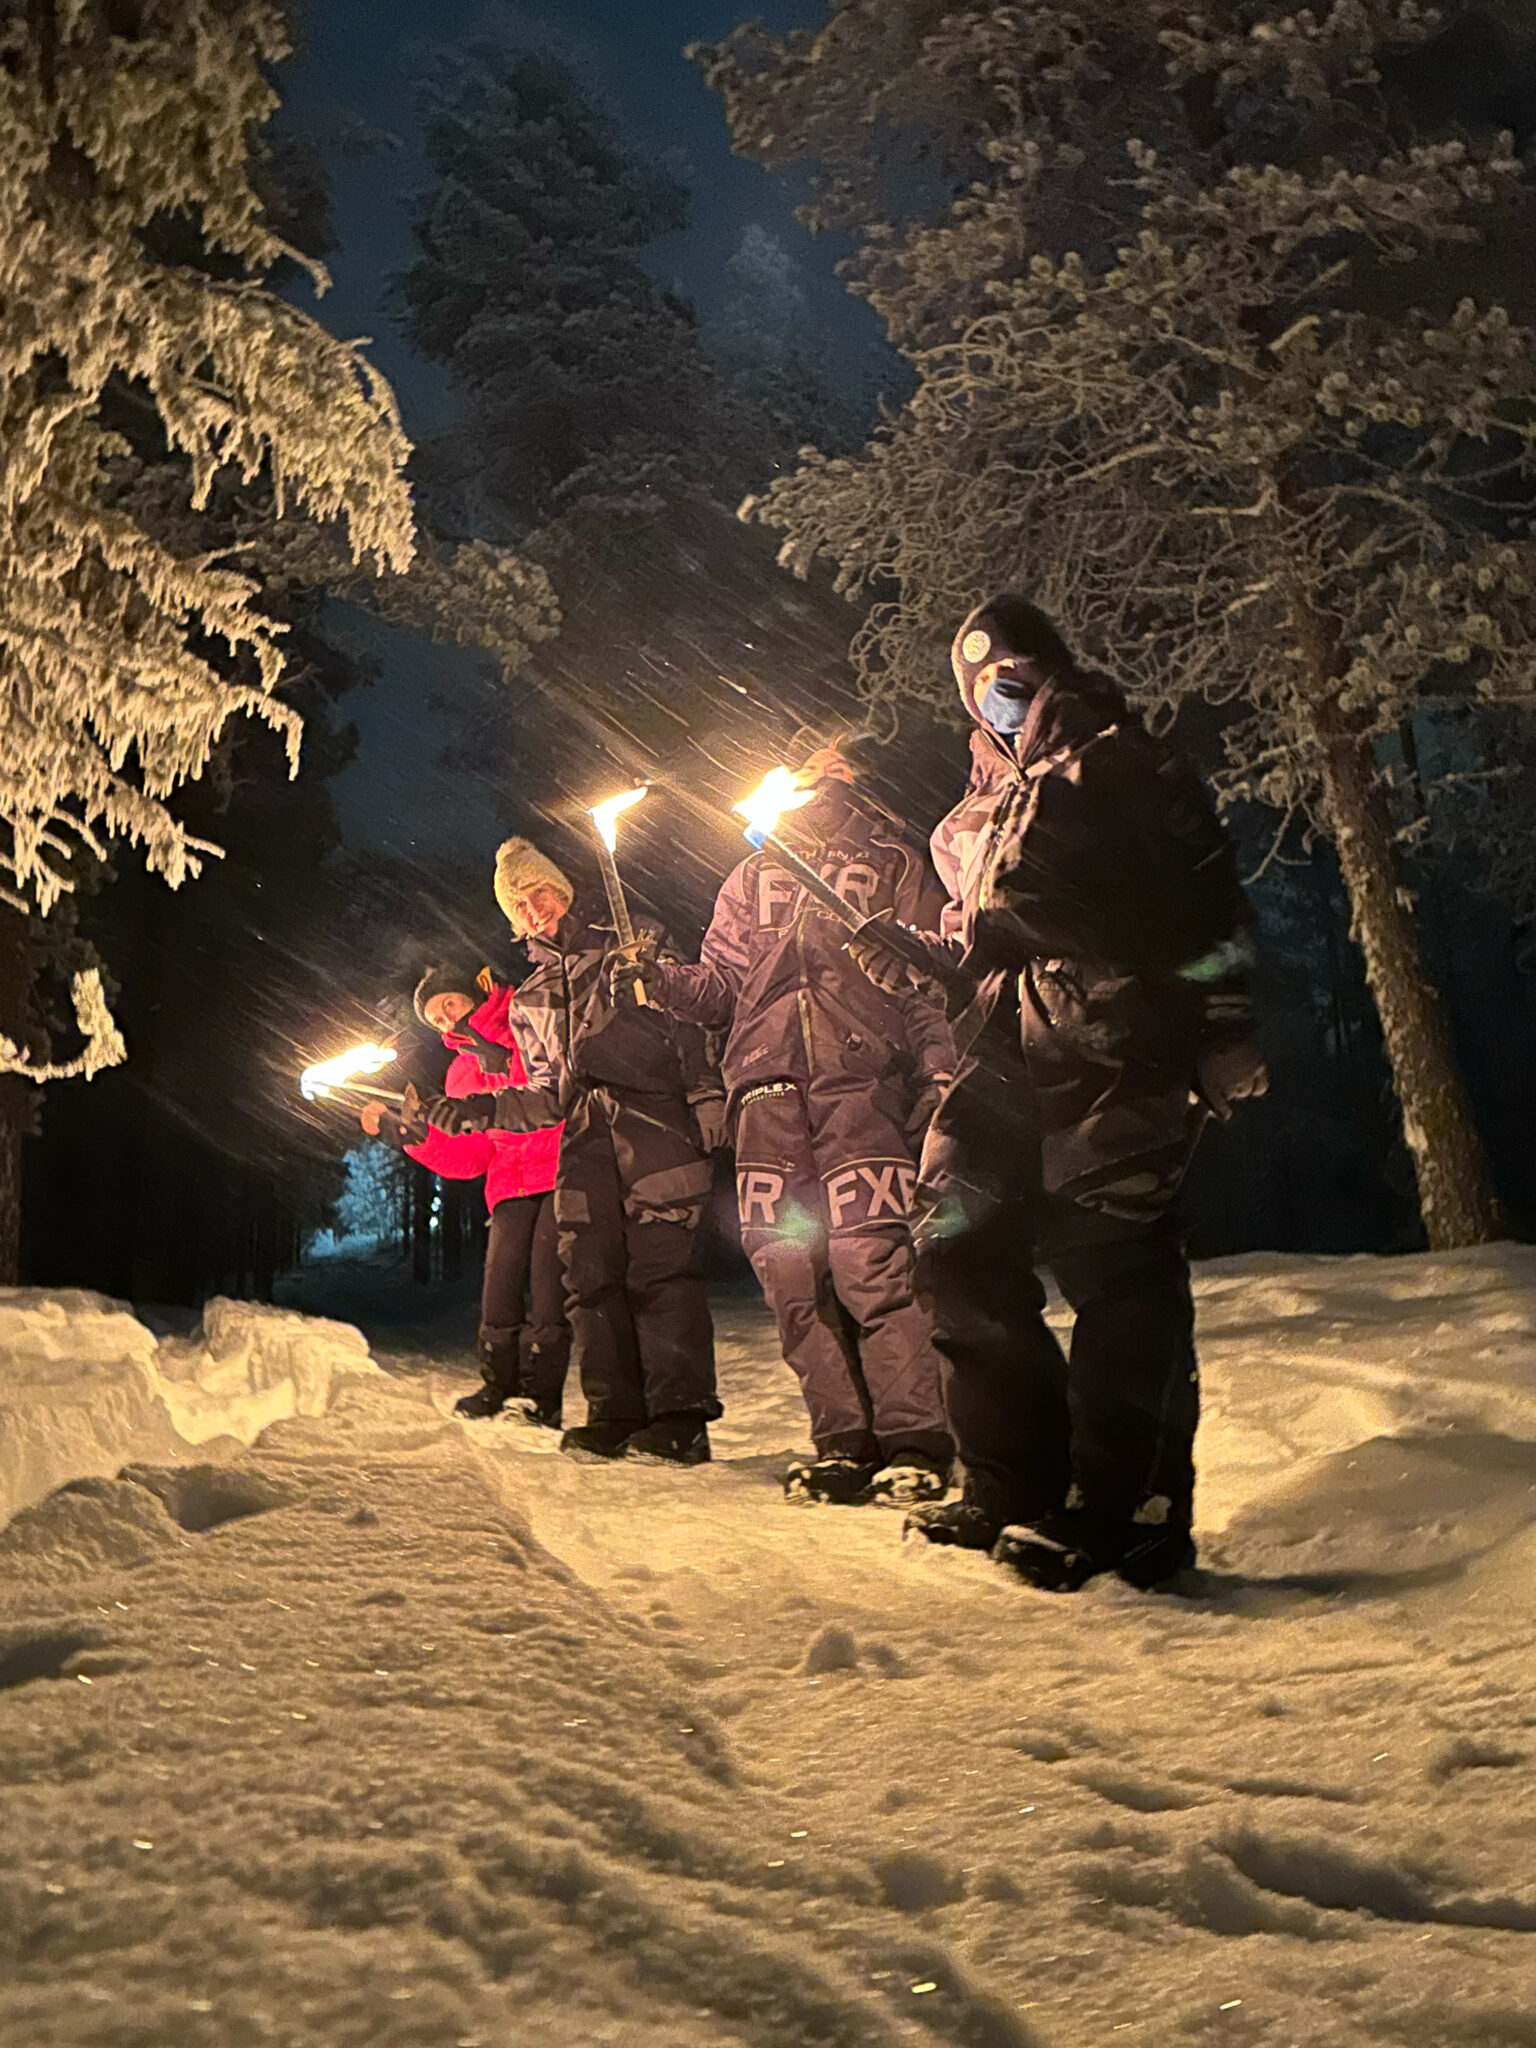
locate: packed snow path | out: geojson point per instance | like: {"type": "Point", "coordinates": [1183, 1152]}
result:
{"type": "Point", "coordinates": [400, 1731]}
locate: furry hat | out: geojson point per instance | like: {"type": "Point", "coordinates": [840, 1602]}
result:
{"type": "Point", "coordinates": [520, 867]}
{"type": "Point", "coordinates": [1002, 626]}
{"type": "Point", "coordinates": [455, 979]}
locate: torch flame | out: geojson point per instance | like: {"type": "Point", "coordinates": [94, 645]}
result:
{"type": "Point", "coordinates": [778, 792]}
{"type": "Point", "coordinates": [316, 1082]}
{"type": "Point", "coordinates": [605, 816]}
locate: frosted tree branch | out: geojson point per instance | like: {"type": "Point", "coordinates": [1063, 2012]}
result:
{"type": "Point", "coordinates": [104, 1045]}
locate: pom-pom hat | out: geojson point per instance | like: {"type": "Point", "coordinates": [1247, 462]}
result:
{"type": "Point", "coordinates": [520, 867]}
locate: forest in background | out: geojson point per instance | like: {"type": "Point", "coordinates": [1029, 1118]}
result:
{"type": "Point", "coordinates": [602, 440]}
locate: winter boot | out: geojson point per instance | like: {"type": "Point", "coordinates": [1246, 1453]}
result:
{"type": "Point", "coordinates": [909, 1477]}
{"type": "Point", "coordinates": [527, 1414]}
{"type": "Point", "coordinates": [594, 1443]}
{"type": "Point", "coordinates": [960, 1523]}
{"type": "Point", "coordinates": [677, 1439]}
{"type": "Point", "coordinates": [834, 1481]}
{"type": "Point", "coordinates": [1154, 1554]}
{"type": "Point", "coordinates": [1061, 1552]}
{"type": "Point", "coordinates": [479, 1406]}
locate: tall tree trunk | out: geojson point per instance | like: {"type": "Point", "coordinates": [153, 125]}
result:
{"type": "Point", "coordinates": [16, 1097]}
{"type": "Point", "coordinates": [1455, 1193]}
{"type": "Point", "coordinates": [1455, 1190]}
{"type": "Point", "coordinates": [13, 1112]}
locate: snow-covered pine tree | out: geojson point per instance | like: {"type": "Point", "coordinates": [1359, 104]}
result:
{"type": "Point", "coordinates": [124, 130]}
{"type": "Point", "coordinates": [570, 359]}
{"type": "Point", "coordinates": [1198, 363]}
{"type": "Point", "coordinates": [602, 438]}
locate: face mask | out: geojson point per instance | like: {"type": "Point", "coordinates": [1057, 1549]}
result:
{"type": "Point", "coordinates": [1006, 704]}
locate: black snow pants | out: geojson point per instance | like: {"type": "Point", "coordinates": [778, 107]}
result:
{"type": "Point", "coordinates": [1110, 1431]}
{"type": "Point", "coordinates": [824, 1179]}
{"type": "Point", "coordinates": [525, 1341]}
{"type": "Point", "coordinates": [630, 1198]}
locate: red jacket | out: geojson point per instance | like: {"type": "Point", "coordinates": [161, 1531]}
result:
{"type": "Point", "coordinates": [513, 1162]}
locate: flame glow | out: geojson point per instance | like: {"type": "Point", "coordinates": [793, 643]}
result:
{"type": "Point", "coordinates": [606, 816]}
{"type": "Point", "coordinates": [778, 792]}
{"type": "Point", "coordinates": [316, 1082]}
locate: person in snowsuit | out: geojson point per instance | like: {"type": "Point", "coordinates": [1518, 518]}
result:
{"type": "Point", "coordinates": [524, 1339]}
{"type": "Point", "coordinates": [642, 1107]}
{"type": "Point", "coordinates": [830, 1081]}
{"type": "Point", "coordinates": [1094, 906]}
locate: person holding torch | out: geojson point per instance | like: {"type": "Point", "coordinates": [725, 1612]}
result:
{"type": "Point", "coordinates": [642, 1108]}
{"type": "Point", "coordinates": [524, 1341]}
{"type": "Point", "coordinates": [1095, 911]}
{"type": "Point", "coordinates": [830, 1082]}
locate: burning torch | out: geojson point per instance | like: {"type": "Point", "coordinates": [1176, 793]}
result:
{"type": "Point", "coordinates": [780, 791]}
{"type": "Point", "coordinates": [605, 823]}
{"type": "Point", "coordinates": [345, 1071]}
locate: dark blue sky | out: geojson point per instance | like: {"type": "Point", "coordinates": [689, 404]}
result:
{"type": "Point", "coordinates": [358, 62]}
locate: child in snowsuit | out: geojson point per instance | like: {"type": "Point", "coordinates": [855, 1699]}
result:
{"type": "Point", "coordinates": [829, 1081]}
{"type": "Point", "coordinates": [1095, 908]}
{"type": "Point", "coordinates": [642, 1107]}
{"type": "Point", "coordinates": [524, 1339]}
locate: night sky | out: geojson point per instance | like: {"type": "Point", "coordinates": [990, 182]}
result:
{"type": "Point", "coordinates": [358, 64]}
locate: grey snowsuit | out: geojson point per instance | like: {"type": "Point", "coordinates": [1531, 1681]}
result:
{"type": "Point", "coordinates": [827, 1078]}
{"type": "Point", "coordinates": [633, 1177]}
{"type": "Point", "coordinates": [1093, 898]}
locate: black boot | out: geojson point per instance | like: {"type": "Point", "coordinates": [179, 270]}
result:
{"type": "Point", "coordinates": [526, 1413]}
{"type": "Point", "coordinates": [1060, 1553]}
{"type": "Point", "coordinates": [1054, 1555]}
{"type": "Point", "coordinates": [479, 1406]}
{"type": "Point", "coordinates": [986, 1507]}
{"type": "Point", "coordinates": [595, 1442]}
{"type": "Point", "coordinates": [908, 1477]}
{"type": "Point", "coordinates": [1155, 1554]}
{"type": "Point", "coordinates": [678, 1439]}
{"type": "Point", "coordinates": [963, 1524]}
{"type": "Point", "coordinates": [834, 1481]}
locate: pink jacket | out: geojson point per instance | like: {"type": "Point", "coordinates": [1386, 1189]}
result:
{"type": "Point", "coordinates": [513, 1162]}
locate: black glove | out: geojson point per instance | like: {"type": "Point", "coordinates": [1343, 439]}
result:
{"type": "Point", "coordinates": [632, 969]}
{"type": "Point", "coordinates": [489, 1057]}
{"type": "Point", "coordinates": [455, 1114]}
{"type": "Point", "coordinates": [896, 958]}
{"type": "Point", "coordinates": [869, 951]}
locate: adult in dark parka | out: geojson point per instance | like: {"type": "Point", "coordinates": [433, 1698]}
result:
{"type": "Point", "coordinates": [641, 1105]}
{"type": "Point", "coordinates": [1095, 910]}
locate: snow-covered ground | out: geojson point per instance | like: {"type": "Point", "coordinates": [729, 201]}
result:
{"type": "Point", "coordinates": [402, 1732]}
{"type": "Point", "coordinates": [84, 1384]}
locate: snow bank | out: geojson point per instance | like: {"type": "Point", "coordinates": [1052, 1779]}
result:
{"type": "Point", "coordinates": [1304, 1358]}
{"type": "Point", "coordinates": [84, 1385]}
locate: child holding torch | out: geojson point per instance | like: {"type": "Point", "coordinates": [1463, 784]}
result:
{"type": "Point", "coordinates": [524, 1340]}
